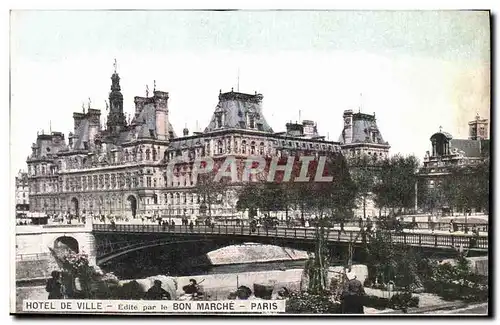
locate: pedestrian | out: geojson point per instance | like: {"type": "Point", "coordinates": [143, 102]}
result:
{"type": "Point", "coordinates": [369, 224]}
{"type": "Point", "coordinates": [156, 292]}
{"type": "Point", "coordinates": [352, 295]}
{"type": "Point", "coordinates": [342, 224]}
{"type": "Point", "coordinates": [191, 225]}
{"type": "Point", "coordinates": [54, 286]}
{"type": "Point", "coordinates": [193, 288]}
{"type": "Point", "coordinates": [430, 222]}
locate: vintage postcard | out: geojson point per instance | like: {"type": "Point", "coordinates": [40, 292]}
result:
{"type": "Point", "coordinates": [250, 162]}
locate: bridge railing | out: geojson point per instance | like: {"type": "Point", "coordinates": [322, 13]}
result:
{"type": "Point", "coordinates": [414, 239]}
{"type": "Point", "coordinates": [32, 257]}
{"type": "Point", "coordinates": [462, 226]}
{"type": "Point", "coordinates": [64, 225]}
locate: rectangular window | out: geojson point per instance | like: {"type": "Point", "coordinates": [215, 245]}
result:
{"type": "Point", "coordinates": [252, 122]}
{"type": "Point", "coordinates": [148, 181]}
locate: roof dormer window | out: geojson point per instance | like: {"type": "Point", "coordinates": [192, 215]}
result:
{"type": "Point", "coordinates": [251, 122]}
{"type": "Point", "coordinates": [218, 121]}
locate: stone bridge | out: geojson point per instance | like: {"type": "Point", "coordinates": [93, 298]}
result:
{"type": "Point", "coordinates": [103, 243]}
{"type": "Point", "coordinates": [121, 239]}
{"type": "Point", "coordinates": [34, 258]}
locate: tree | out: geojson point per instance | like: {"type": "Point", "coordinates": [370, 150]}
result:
{"type": "Point", "coordinates": [209, 190]}
{"type": "Point", "coordinates": [330, 201]}
{"type": "Point", "coordinates": [463, 188]}
{"type": "Point", "coordinates": [364, 172]}
{"type": "Point", "coordinates": [395, 188]}
{"type": "Point", "coordinates": [389, 261]}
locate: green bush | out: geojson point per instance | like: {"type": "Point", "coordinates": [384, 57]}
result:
{"type": "Point", "coordinates": [456, 282]}
{"type": "Point", "coordinates": [376, 302]}
{"type": "Point", "coordinates": [403, 301]}
{"type": "Point", "coordinates": [304, 303]}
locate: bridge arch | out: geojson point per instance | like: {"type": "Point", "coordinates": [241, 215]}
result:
{"type": "Point", "coordinates": [144, 245]}
{"type": "Point", "coordinates": [66, 244]}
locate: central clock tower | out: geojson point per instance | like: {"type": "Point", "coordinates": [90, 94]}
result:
{"type": "Point", "coordinates": [116, 118]}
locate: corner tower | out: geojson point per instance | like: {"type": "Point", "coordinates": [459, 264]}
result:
{"type": "Point", "coordinates": [361, 136]}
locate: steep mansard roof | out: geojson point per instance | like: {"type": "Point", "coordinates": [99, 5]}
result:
{"type": "Point", "coordinates": [236, 109]}
{"type": "Point", "coordinates": [362, 125]}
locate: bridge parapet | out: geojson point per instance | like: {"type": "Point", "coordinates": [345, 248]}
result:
{"type": "Point", "coordinates": [419, 239]}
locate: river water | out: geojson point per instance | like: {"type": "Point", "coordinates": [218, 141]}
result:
{"type": "Point", "coordinates": [162, 262]}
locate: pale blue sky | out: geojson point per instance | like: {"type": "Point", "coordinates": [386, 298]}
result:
{"type": "Point", "coordinates": [416, 70]}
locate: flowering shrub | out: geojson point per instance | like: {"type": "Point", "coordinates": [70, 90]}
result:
{"type": "Point", "coordinates": [76, 263]}
{"type": "Point", "coordinates": [457, 282]}
{"type": "Point", "coordinates": [78, 266]}
{"type": "Point", "coordinates": [304, 303]}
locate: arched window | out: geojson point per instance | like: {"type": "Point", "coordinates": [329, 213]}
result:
{"type": "Point", "coordinates": [184, 197]}
{"type": "Point", "coordinates": [244, 146]}
{"type": "Point", "coordinates": [154, 154]}
{"type": "Point", "coordinates": [148, 154]}
{"type": "Point", "coordinates": [252, 148]}
{"type": "Point", "coordinates": [140, 154]}
{"type": "Point", "coordinates": [126, 155]}
{"type": "Point", "coordinates": [155, 199]}
{"type": "Point", "coordinates": [261, 148]}
{"type": "Point", "coordinates": [177, 198]}
{"type": "Point", "coordinates": [220, 146]}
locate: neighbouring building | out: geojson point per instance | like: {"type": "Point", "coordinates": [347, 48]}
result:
{"type": "Point", "coordinates": [121, 169]}
{"type": "Point", "coordinates": [22, 193]}
{"type": "Point", "coordinates": [447, 152]}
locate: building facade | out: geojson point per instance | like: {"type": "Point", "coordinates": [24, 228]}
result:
{"type": "Point", "coordinates": [363, 145]}
{"type": "Point", "coordinates": [122, 169]}
{"type": "Point", "coordinates": [22, 192]}
{"type": "Point", "coordinates": [447, 153]}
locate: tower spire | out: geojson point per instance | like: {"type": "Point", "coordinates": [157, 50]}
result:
{"type": "Point", "coordinates": [147, 91]}
{"type": "Point", "coordinates": [154, 86]}
{"type": "Point", "coordinates": [115, 66]}
{"type": "Point", "coordinates": [238, 84]}
{"type": "Point", "coordinates": [360, 102]}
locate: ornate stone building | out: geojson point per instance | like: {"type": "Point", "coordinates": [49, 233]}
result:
{"type": "Point", "coordinates": [448, 152]}
{"type": "Point", "coordinates": [122, 169]}
{"type": "Point", "coordinates": [22, 192]}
